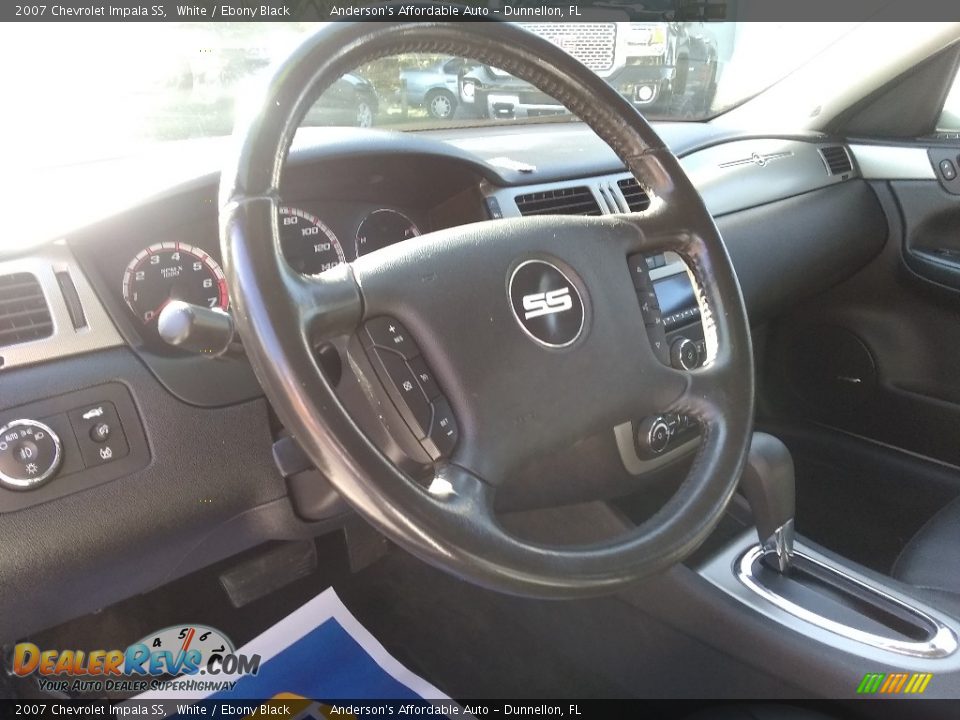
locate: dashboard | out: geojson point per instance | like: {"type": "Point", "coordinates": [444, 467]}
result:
{"type": "Point", "coordinates": [203, 452]}
{"type": "Point", "coordinates": [321, 225]}
{"type": "Point", "coordinates": [315, 236]}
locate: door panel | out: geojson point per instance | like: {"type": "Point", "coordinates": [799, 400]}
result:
{"type": "Point", "coordinates": [879, 355]}
{"type": "Point", "coordinates": [931, 247]}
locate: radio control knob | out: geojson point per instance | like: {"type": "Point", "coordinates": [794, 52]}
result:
{"type": "Point", "coordinates": [684, 354]}
{"type": "Point", "coordinates": [653, 436]}
{"type": "Point", "coordinates": [30, 454]}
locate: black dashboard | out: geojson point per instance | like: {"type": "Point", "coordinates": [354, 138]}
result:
{"type": "Point", "coordinates": [202, 481]}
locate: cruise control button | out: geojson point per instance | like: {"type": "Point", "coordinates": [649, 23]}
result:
{"type": "Point", "coordinates": [414, 404]}
{"type": "Point", "coordinates": [424, 377]}
{"type": "Point", "coordinates": [444, 432]}
{"type": "Point", "coordinates": [385, 332]}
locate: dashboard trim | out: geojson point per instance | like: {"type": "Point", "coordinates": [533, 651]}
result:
{"type": "Point", "coordinates": [98, 334]}
{"type": "Point", "coordinates": [890, 162]}
{"type": "Point", "coordinates": [727, 176]}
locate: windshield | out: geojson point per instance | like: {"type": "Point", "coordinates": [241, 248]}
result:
{"type": "Point", "coordinates": [111, 90]}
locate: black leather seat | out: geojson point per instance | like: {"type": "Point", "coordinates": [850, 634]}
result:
{"type": "Point", "coordinates": [931, 560]}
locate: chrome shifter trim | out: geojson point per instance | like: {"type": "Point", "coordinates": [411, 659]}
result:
{"type": "Point", "coordinates": [941, 644]}
{"type": "Point", "coordinates": [780, 545]}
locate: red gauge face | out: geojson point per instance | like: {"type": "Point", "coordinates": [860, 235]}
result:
{"type": "Point", "coordinates": [172, 271]}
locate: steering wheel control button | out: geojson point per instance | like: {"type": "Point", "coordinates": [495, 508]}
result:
{"type": "Point", "coordinates": [30, 454]}
{"type": "Point", "coordinates": [385, 332]}
{"type": "Point", "coordinates": [99, 433]}
{"type": "Point", "coordinates": [409, 398]}
{"type": "Point", "coordinates": [684, 354]}
{"type": "Point", "coordinates": [424, 377]}
{"type": "Point", "coordinates": [444, 432]}
{"type": "Point", "coordinates": [947, 170]}
{"type": "Point", "coordinates": [658, 342]}
{"type": "Point", "coordinates": [639, 273]}
{"type": "Point", "coordinates": [546, 303]}
{"type": "Point", "coordinates": [411, 385]}
{"type": "Point", "coordinates": [649, 307]}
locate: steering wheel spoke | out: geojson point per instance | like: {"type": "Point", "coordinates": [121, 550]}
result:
{"type": "Point", "coordinates": [328, 304]}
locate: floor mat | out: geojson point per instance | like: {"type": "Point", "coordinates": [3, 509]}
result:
{"type": "Point", "coordinates": [319, 651]}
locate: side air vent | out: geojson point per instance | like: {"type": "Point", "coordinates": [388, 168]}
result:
{"type": "Point", "coordinates": [562, 201]}
{"type": "Point", "coordinates": [637, 199]}
{"type": "Point", "coordinates": [837, 159]}
{"type": "Point", "coordinates": [24, 315]}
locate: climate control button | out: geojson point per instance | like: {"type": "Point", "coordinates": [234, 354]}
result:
{"type": "Point", "coordinates": [30, 454]}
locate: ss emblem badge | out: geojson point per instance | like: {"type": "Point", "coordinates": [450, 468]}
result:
{"type": "Point", "coordinates": [546, 303]}
{"type": "Point", "coordinates": [554, 301]}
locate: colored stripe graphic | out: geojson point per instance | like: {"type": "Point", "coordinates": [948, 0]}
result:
{"type": "Point", "coordinates": [894, 683]}
{"type": "Point", "coordinates": [870, 683]}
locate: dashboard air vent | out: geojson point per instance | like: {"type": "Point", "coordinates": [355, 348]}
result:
{"type": "Point", "coordinates": [24, 314]}
{"type": "Point", "coordinates": [637, 199]}
{"type": "Point", "coordinates": [562, 201]}
{"type": "Point", "coordinates": [837, 159]}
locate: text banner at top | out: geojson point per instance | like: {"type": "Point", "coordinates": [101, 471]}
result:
{"type": "Point", "coordinates": [481, 10]}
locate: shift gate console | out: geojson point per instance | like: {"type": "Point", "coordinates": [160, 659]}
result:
{"type": "Point", "coordinates": [812, 589]}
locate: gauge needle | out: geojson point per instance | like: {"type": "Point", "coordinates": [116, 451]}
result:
{"type": "Point", "coordinates": [156, 312]}
{"type": "Point", "coordinates": [188, 639]}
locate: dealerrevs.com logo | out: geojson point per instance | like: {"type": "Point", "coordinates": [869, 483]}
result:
{"type": "Point", "coordinates": [185, 650]}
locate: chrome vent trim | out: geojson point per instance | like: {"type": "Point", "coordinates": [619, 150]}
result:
{"type": "Point", "coordinates": [635, 196]}
{"type": "Point", "coordinates": [577, 200]}
{"type": "Point", "coordinates": [64, 339]}
{"type": "Point", "coordinates": [24, 312]}
{"type": "Point", "coordinates": [837, 159]}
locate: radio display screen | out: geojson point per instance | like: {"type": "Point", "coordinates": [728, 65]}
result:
{"type": "Point", "coordinates": [674, 293]}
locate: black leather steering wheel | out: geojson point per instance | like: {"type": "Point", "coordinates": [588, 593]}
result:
{"type": "Point", "coordinates": [515, 397]}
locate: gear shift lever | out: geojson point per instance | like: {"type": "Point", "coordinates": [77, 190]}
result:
{"type": "Point", "coordinates": [769, 486]}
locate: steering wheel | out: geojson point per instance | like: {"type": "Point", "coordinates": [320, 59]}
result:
{"type": "Point", "coordinates": [519, 386]}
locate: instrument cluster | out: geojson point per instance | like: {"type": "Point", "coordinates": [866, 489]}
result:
{"type": "Point", "coordinates": [314, 237]}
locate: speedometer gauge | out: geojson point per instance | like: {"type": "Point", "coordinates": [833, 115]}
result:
{"type": "Point", "coordinates": [172, 271]}
{"type": "Point", "coordinates": [383, 227]}
{"type": "Point", "coordinates": [309, 246]}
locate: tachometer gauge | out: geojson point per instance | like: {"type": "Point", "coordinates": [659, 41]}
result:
{"type": "Point", "coordinates": [172, 271]}
{"type": "Point", "coordinates": [309, 246]}
{"type": "Point", "coordinates": [381, 228]}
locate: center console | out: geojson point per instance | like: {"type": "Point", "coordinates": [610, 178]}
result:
{"type": "Point", "coordinates": [670, 309]}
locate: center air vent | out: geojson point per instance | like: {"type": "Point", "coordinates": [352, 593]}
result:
{"type": "Point", "coordinates": [837, 159]}
{"type": "Point", "coordinates": [637, 199]}
{"type": "Point", "coordinates": [562, 201]}
{"type": "Point", "coordinates": [24, 315]}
